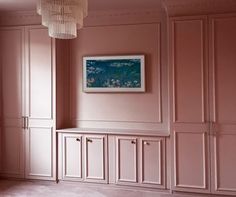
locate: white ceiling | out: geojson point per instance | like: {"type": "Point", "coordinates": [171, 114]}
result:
{"type": "Point", "coordinates": [23, 5]}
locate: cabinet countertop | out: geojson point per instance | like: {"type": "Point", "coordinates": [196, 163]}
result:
{"type": "Point", "coordinates": [115, 131]}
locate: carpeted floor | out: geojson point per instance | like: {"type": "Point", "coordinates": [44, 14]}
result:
{"type": "Point", "coordinates": [10, 188]}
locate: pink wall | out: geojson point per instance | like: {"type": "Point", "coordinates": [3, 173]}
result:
{"type": "Point", "coordinates": [118, 110]}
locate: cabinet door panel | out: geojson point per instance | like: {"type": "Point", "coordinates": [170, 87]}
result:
{"type": "Point", "coordinates": [39, 153]}
{"type": "Point", "coordinates": [223, 69]}
{"type": "Point", "coordinates": [95, 158]}
{"type": "Point", "coordinates": [12, 152]}
{"type": "Point", "coordinates": [72, 156]}
{"type": "Point", "coordinates": [11, 65]}
{"type": "Point", "coordinates": [189, 71]}
{"type": "Point", "coordinates": [224, 163]}
{"type": "Point", "coordinates": [40, 59]}
{"type": "Point", "coordinates": [126, 160]}
{"type": "Point", "coordinates": [12, 140]}
{"type": "Point", "coordinates": [190, 161]}
{"type": "Point", "coordinates": [152, 162]}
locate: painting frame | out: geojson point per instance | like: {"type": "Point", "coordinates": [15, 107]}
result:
{"type": "Point", "coordinates": [114, 64]}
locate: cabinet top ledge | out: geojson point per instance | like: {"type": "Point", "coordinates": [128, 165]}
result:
{"type": "Point", "coordinates": [115, 131]}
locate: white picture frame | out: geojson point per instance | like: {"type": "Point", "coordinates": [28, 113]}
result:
{"type": "Point", "coordinates": [114, 73]}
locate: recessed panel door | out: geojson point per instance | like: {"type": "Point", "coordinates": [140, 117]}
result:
{"type": "Point", "coordinates": [95, 154]}
{"type": "Point", "coordinates": [126, 160]}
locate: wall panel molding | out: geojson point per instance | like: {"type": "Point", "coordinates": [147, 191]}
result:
{"type": "Point", "coordinates": [155, 94]}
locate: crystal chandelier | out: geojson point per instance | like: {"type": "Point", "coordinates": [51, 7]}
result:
{"type": "Point", "coordinates": [62, 17]}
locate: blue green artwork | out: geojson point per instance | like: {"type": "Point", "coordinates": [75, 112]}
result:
{"type": "Point", "coordinates": [116, 73]}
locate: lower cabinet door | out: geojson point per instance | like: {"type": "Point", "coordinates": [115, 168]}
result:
{"type": "Point", "coordinates": [126, 160]}
{"type": "Point", "coordinates": [190, 160]}
{"type": "Point", "coordinates": [12, 152]}
{"type": "Point", "coordinates": [40, 154]}
{"type": "Point", "coordinates": [95, 163]}
{"type": "Point", "coordinates": [152, 162]}
{"type": "Point", "coordinates": [224, 162]}
{"type": "Point", "coordinates": [72, 157]}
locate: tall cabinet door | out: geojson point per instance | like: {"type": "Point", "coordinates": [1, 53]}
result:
{"type": "Point", "coordinates": [223, 105]}
{"type": "Point", "coordinates": [189, 103]}
{"type": "Point", "coordinates": [40, 105]}
{"type": "Point", "coordinates": [12, 136]}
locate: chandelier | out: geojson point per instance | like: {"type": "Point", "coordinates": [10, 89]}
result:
{"type": "Point", "coordinates": [62, 17]}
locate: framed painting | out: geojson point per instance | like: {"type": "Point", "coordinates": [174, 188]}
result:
{"type": "Point", "coordinates": [114, 73]}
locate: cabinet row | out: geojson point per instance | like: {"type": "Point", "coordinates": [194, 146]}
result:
{"type": "Point", "coordinates": [138, 161]}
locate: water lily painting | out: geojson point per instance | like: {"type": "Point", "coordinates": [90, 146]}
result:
{"type": "Point", "coordinates": [114, 74]}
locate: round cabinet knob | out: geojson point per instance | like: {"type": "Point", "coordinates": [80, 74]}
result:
{"type": "Point", "coordinates": [133, 142]}
{"type": "Point", "coordinates": [89, 140]}
{"type": "Point", "coordinates": [146, 143]}
{"type": "Point", "coordinates": [77, 139]}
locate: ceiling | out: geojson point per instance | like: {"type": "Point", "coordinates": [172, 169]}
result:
{"type": "Point", "coordinates": [173, 7]}
{"type": "Point", "coordinates": [24, 5]}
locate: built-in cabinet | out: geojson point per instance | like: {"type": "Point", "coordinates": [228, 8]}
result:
{"type": "Point", "coordinates": [83, 157]}
{"type": "Point", "coordinates": [28, 107]}
{"type": "Point", "coordinates": [138, 161]}
{"type": "Point", "coordinates": [203, 103]}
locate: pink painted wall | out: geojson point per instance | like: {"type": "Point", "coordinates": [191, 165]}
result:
{"type": "Point", "coordinates": [118, 110]}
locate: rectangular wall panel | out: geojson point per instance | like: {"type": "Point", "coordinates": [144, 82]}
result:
{"type": "Point", "coordinates": [72, 156]}
{"type": "Point", "coordinates": [190, 160]}
{"type": "Point", "coordinates": [188, 61]}
{"type": "Point", "coordinates": [95, 158]}
{"type": "Point", "coordinates": [40, 73]}
{"type": "Point", "coordinates": [224, 163]}
{"type": "Point", "coordinates": [39, 156]}
{"type": "Point", "coordinates": [12, 152]}
{"type": "Point", "coordinates": [223, 69]}
{"type": "Point", "coordinates": [11, 69]}
{"type": "Point", "coordinates": [126, 160]}
{"type": "Point", "coordinates": [152, 162]}
{"type": "Point", "coordinates": [120, 111]}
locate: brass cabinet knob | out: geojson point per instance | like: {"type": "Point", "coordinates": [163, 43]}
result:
{"type": "Point", "coordinates": [146, 143]}
{"type": "Point", "coordinates": [77, 139]}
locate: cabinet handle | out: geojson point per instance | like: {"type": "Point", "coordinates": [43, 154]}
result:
{"type": "Point", "coordinates": [146, 143]}
{"type": "Point", "coordinates": [89, 140]}
{"type": "Point", "coordinates": [77, 139]}
{"type": "Point", "coordinates": [133, 142]}
{"type": "Point", "coordinates": [23, 122]}
{"type": "Point", "coordinates": [26, 122]}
